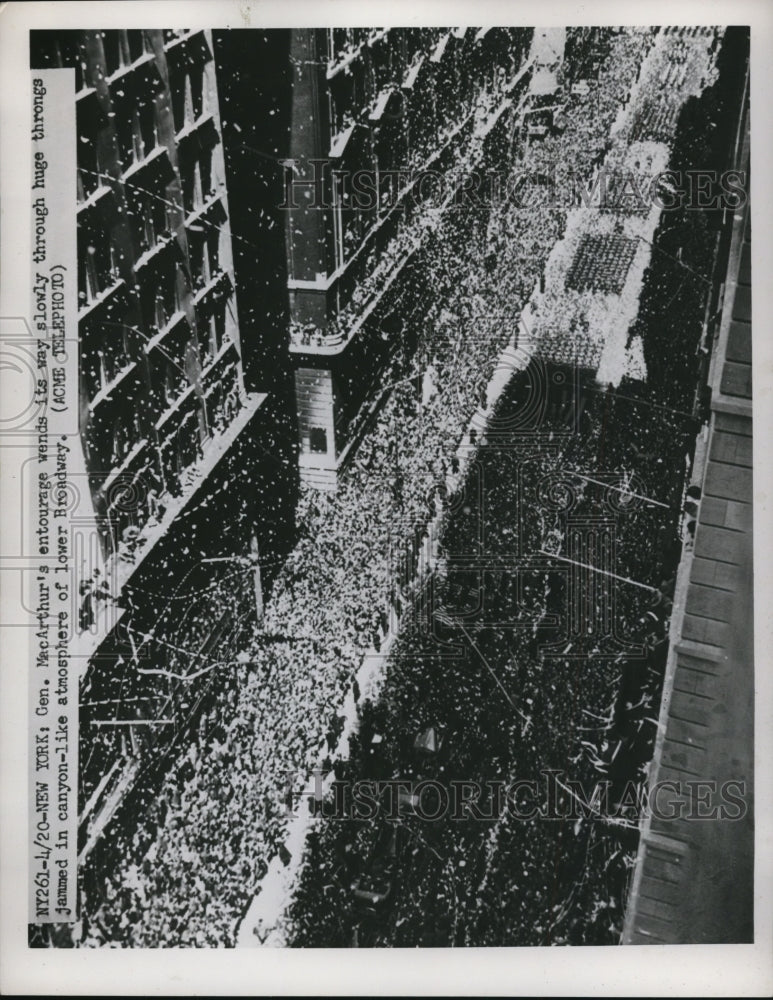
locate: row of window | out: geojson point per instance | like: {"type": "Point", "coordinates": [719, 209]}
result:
{"type": "Point", "coordinates": [114, 436]}
{"type": "Point", "coordinates": [382, 170]}
{"type": "Point", "coordinates": [342, 40]}
{"type": "Point", "coordinates": [183, 445]}
{"type": "Point", "coordinates": [163, 470]}
{"type": "Point", "coordinates": [102, 364]}
{"type": "Point", "coordinates": [135, 122]}
{"type": "Point", "coordinates": [122, 48]}
{"type": "Point", "coordinates": [152, 218]}
{"type": "Point", "coordinates": [444, 91]}
{"type": "Point", "coordinates": [407, 137]}
{"type": "Point", "coordinates": [400, 44]}
{"type": "Point", "coordinates": [126, 232]}
{"type": "Point", "coordinates": [386, 63]}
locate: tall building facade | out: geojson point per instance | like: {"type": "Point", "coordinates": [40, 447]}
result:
{"type": "Point", "coordinates": [381, 120]}
{"type": "Point", "coordinates": [157, 318]}
{"type": "Point", "coordinates": [183, 470]}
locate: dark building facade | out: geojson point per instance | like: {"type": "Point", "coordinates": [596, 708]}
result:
{"type": "Point", "coordinates": [381, 121]}
{"type": "Point", "coordinates": [184, 466]}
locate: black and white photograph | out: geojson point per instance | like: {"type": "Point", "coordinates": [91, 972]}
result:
{"type": "Point", "coordinates": [387, 560]}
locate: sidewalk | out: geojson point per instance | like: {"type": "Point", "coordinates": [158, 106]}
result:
{"type": "Point", "coordinates": [694, 877]}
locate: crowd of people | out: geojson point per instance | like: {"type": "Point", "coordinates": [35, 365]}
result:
{"type": "Point", "coordinates": [197, 855]}
{"type": "Point", "coordinates": [529, 882]}
{"type": "Point", "coordinates": [594, 275]}
{"type": "Point", "coordinates": [560, 698]}
{"type": "Point", "coordinates": [525, 881]}
{"type": "Point", "coordinates": [684, 65]}
{"type": "Point", "coordinates": [601, 264]}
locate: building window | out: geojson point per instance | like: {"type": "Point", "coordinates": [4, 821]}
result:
{"type": "Point", "coordinates": [198, 258]}
{"type": "Point", "coordinates": [211, 335]}
{"type": "Point", "coordinates": [342, 38]}
{"type": "Point", "coordinates": [138, 145]}
{"type": "Point", "coordinates": [102, 376]}
{"type": "Point", "coordinates": [111, 363]}
{"type": "Point", "coordinates": [187, 448]}
{"type": "Point", "coordinates": [217, 328]}
{"type": "Point", "coordinates": [338, 221]}
{"type": "Point", "coordinates": [213, 252]}
{"type": "Point", "coordinates": [161, 314]}
{"type": "Point", "coordinates": [116, 258]}
{"type": "Point", "coordinates": [148, 229]}
{"type": "Point", "coordinates": [90, 172]}
{"type": "Point", "coordinates": [205, 171]}
{"type": "Point", "coordinates": [189, 114]}
{"type": "Point", "coordinates": [91, 373]}
{"type": "Point", "coordinates": [143, 131]}
{"type": "Point", "coordinates": [196, 182]}
{"type": "Point", "coordinates": [158, 294]}
{"type": "Point", "coordinates": [122, 48]}
{"type": "Point", "coordinates": [120, 442]}
{"type": "Point", "coordinates": [318, 440]}
{"type": "Point", "coordinates": [194, 97]}
{"type": "Point", "coordinates": [112, 49]}
{"type": "Point", "coordinates": [198, 193]}
{"type": "Point", "coordinates": [137, 136]}
{"type": "Point", "coordinates": [170, 380]}
{"type": "Point", "coordinates": [204, 256]}
{"type": "Point", "coordinates": [154, 220]}
{"type": "Point", "coordinates": [179, 289]}
{"type": "Point", "coordinates": [187, 97]}
{"type": "Point", "coordinates": [102, 365]}
{"type": "Point", "coordinates": [69, 51]}
{"type": "Point", "coordinates": [92, 277]}
{"type": "Point", "coordinates": [136, 44]}
{"type": "Point", "coordinates": [97, 265]}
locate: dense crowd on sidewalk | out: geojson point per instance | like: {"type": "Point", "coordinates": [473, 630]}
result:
{"type": "Point", "coordinates": [202, 845]}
